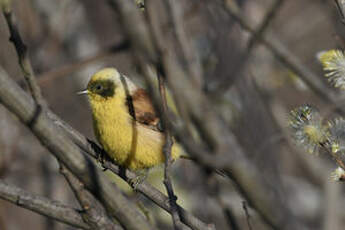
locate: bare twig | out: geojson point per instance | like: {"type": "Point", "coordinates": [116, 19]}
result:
{"type": "Point", "coordinates": [219, 139]}
{"type": "Point", "coordinates": [332, 218]}
{"type": "Point", "coordinates": [49, 185]}
{"type": "Point", "coordinates": [22, 52]}
{"type": "Point", "coordinates": [287, 58]}
{"type": "Point", "coordinates": [42, 205]}
{"type": "Point", "coordinates": [40, 124]}
{"type": "Point", "coordinates": [265, 22]}
{"type": "Point", "coordinates": [338, 156]}
{"type": "Point", "coordinates": [73, 67]}
{"type": "Point", "coordinates": [188, 54]}
{"type": "Point", "coordinates": [117, 205]}
{"type": "Point", "coordinates": [341, 8]}
{"type": "Point", "coordinates": [93, 212]}
{"type": "Point", "coordinates": [145, 188]}
{"type": "Point", "coordinates": [168, 160]}
{"type": "Point", "coordinates": [230, 218]}
{"type": "Point", "coordinates": [134, 25]}
{"type": "Point", "coordinates": [256, 35]}
{"type": "Point", "coordinates": [245, 208]}
{"type": "Point", "coordinates": [213, 188]}
{"type": "Point", "coordinates": [153, 19]}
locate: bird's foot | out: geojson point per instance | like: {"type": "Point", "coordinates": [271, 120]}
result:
{"type": "Point", "coordinates": [101, 154]}
{"type": "Point", "coordinates": [140, 178]}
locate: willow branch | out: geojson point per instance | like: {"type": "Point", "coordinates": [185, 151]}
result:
{"type": "Point", "coordinates": [66, 70]}
{"type": "Point", "coordinates": [168, 159]}
{"type": "Point", "coordinates": [188, 53]}
{"type": "Point", "coordinates": [45, 130]}
{"type": "Point", "coordinates": [117, 205]}
{"type": "Point", "coordinates": [220, 140]}
{"type": "Point", "coordinates": [42, 205]}
{"type": "Point", "coordinates": [271, 13]}
{"type": "Point", "coordinates": [135, 28]}
{"type": "Point", "coordinates": [145, 188]}
{"type": "Point", "coordinates": [341, 8]}
{"type": "Point", "coordinates": [22, 52]}
{"type": "Point", "coordinates": [245, 208]}
{"type": "Point", "coordinates": [92, 212]}
{"type": "Point", "coordinates": [256, 34]}
{"type": "Point", "coordinates": [287, 58]}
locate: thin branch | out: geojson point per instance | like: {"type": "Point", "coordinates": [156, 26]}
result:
{"type": "Point", "coordinates": [93, 212]}
{"type": "Point", "coordinates": [255, 36]}
{"type": "Point", "coordinates": [286, 57]}
{"type": "Point", "coordinates": [188, 53]}
{"type": "Point", "coordinates": [338, 156]}
{"type": "Point", "coordinates": [42, 205]}
{"type": "Point", "coordinates": [159, 198]}
{"type": "Point", "coordinates": [134, 25]}
{"type": "Point", "coordinates": [213, 188]}
{"type": "Point", "coordinates": [245, 208]}
{"type": "Point", "coordinates": [332, 210]}
{"type": "Point", "coordinates": [265, 22]}
{"type": "Point", "coordinates": [150, 192]}
{"type": "Point", "coordinates": [341, 8]}
{"type": "Point", "coordinates": [145, 188]}
{"type": "Point", "coordinates": [117, 205]}
{"type": "Point", "coordinates": [168, 159]}
{"type": "Point", "coordinates": [245, 174]}
{"type": "Point", "coordinates": [22, 52]}
{"type": "Point", "coordinates": [153, 21]}
{"type": "Point", "coordinates": [66, 70]}
{"type": "Point", "coordinates": [230, 217]}
{"type": "Point", "coordinates": [63, 149]}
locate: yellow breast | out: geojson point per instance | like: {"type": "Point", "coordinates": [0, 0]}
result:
{"type": "Point", "coordinates": [129, 143]}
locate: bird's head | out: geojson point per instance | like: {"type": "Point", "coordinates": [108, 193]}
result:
{"type": "Point", "coordinates": [108, 84]}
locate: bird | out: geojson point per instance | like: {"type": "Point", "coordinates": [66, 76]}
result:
{"type": "Point", "coordinates": [125, 122]}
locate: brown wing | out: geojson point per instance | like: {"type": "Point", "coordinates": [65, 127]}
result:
{"type": "Point", "coordinates": [142, 110]}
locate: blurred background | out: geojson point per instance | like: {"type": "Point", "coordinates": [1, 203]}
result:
{"type": "Point", "coordinates": [254, 91]}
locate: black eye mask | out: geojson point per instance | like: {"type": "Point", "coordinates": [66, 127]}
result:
{"type": "Point", "coordinates": [104, 88]}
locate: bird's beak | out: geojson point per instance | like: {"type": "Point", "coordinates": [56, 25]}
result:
{"type": "Point", "coordinates": [82, 92]}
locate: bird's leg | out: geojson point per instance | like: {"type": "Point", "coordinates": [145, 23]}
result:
{"type": "Point", "coordinates": [99, 151]}
{"type": "Point", "coordinates": [101, 157]}
{"type": "Point", "coordinates": [141, 177]}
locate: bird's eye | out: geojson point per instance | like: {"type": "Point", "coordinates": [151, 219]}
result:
{"type": "Point", "coordinates": [99, 87]}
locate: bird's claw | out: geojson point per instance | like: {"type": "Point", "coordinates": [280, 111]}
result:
{"type": "Point", "coordinates": [140, 178]}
